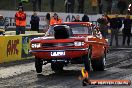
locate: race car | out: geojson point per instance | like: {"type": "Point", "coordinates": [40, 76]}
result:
{"type": "Point", "coordinates": [70, 43]}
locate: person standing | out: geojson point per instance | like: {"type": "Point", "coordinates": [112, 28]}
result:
{"type": "Point", "coordinates": [2, 31]}
{"type": "Point", "coordinates": [39, 5]}
{"type": "Point", "coordinates": [109, 3]}
{"type": "Point", "coordinates": [47, 18]}
{"type": "Point", "coordinates": [69, 5]}
{"type": "Point", "coordinates": [80, 6]}
{"type": "Point", "coordinates": [72, 5]}
{"type": "Point", "coordinates": [34, 22]}
{"type": "Point", "coordinates": [127, 30]}
{"type": "Point", "coordinates": [55, 19]}
{"type": "Point", "coordinates": [121, 6]}
{"type": "Point", "coordinates": [77, 19]}
{"type": "Point", "coordinates": [103, 24]}
{"type": "Point", "coordinates": [100, 6]}
{"type": "Point", "coordinates": [85, 18]}
{"type": "Point", "coordinates": [94, 4]}
{"type": "Point", "coordinates": [20, 19]}
{"type": "Point", "coordinates": [35, 2]}
{"type": "Point", "coordinates": [115, 25]}
{"type": "Point", "coordinates": [52, 4]}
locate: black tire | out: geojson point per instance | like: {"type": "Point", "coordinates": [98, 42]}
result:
{"type": "Point", "coordinates": [99, 65]}
{"type": "Point", "coordinates": [87, 59]}
{"type": "Point", "coordinates": [38, 65]}
{"type": "Point", "coordinates": [57, 66]}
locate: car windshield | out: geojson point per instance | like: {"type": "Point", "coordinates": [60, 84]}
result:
{"type": "Point", "coordinates": [76, 29]}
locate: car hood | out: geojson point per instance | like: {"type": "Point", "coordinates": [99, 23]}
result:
{"type": "Point", "coordinates": [52, 39]}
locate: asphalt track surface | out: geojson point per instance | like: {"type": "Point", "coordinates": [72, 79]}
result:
{"type": "Point", "coordinates": [23, 74]}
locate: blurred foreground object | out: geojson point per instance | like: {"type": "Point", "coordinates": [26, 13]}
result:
{"type": "Point", "coordinates": [85, 77]}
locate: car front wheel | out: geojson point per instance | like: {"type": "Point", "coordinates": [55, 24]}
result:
{"type": "Point", "coordinates": [99, 65]}
{"type": "Point", "coordinates": [38, 65]}
{"type": "Point", "coordinates": [87, 60]}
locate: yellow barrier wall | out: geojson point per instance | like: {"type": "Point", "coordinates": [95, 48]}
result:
{"type": "Point", "coordinates": [1, 48]}
{"type": "Point", "coordinates": [11, 48]}
{"type": "Point", "coordinates": [15, 47]}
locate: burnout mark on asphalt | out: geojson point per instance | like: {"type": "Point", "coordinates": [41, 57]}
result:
{"type": "Point", "coordinates": [16, 70]}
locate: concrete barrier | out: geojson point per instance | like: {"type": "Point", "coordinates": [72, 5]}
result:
{"type": "Point", "coordinates": [10, 33]}
{"type": "Point", "coordinates": [26, 32]}
{"type": "Point", "coordinates": [1, 48]}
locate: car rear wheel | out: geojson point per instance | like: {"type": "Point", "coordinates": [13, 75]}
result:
{"type": "Point", "coordinates": [57, 66]}
{"type": "Point", "coordinates": [38, 65]}
{"type": "Point", "coordinates": [87, 59]}
{"type": "Point", "coordinates": [99, 65]}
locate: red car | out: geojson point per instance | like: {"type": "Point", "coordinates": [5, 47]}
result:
{"type": "Point", "coordinates": [70, 43]}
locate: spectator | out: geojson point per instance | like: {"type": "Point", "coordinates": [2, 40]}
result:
{"type": "Point", "coordinates": [55, 19]}
{"type": "Point", "coordinates": [85, 18]}
{"type": "Point", "coordinates": [1, 24]}
{"type": "Point", "coordinates": [114, 8]}
{"type": "Point", "coordinates": [77, 19]}
{"type": "Point", "coordinates": [1, 20]}
{"type": "Point", "coordinates": [48, 18]}
{"type": "Point", "coordinates": [35, 2]}
{"type": "Point", "coordinates": [115, 24]}
{"type": "Point", "coordinates": [80, 6]}
{"type": "Point", "coordinates": [34, 22]}
{"type": "Point", "coordinates": [121, 6]}
{"type": "Point", "coordinates": [103, 24]}
{"type": "Point", "coordinates": [94, 5]}
{"type": "Point", "coordinates": [52, 3]}
{"type": "Point", "coordinates": [69, 5]}
{"type": "Point", "coordinates": [100, 6]}
{"type": "Point", "coordinates": [20, 19]}
{"type": "Point", "coordinates": [127, 30]}
{"type": "Point", "coordinates": [109, 3]}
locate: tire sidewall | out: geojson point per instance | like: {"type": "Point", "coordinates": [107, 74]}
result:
{"type": "Point", "coordinates": [38, 65]}
{"type": "Point", "coordinates": [87, 59]}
